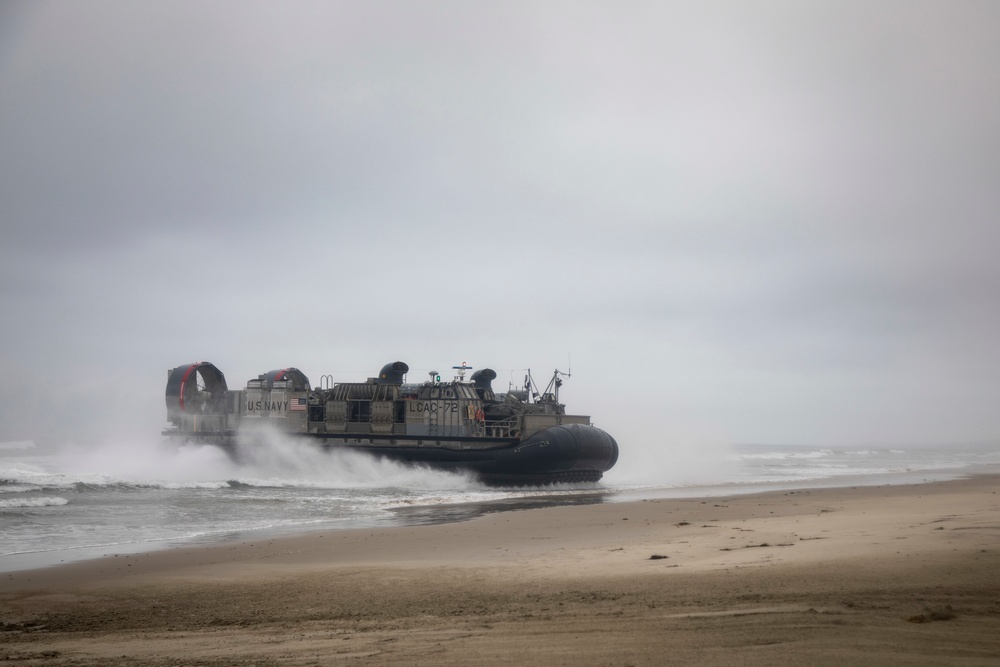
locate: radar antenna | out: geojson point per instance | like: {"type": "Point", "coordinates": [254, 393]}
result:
{"type": "Point", "coordinates": [461, 371]}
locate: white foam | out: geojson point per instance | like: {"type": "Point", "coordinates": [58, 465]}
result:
{"type": "Point", "coordinates": [786, 454]}
{"type": "Point", "coordinates": [20, 503]}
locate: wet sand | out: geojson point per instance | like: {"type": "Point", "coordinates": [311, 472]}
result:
{"type": "Point", "coordinates": [863, 576]}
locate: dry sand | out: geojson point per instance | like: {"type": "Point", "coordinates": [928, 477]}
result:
{"type": "Point", "coordinates": [901, 575]}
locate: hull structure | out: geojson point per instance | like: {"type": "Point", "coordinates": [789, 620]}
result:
{"type": "Point", "coordinates": [519, 438]}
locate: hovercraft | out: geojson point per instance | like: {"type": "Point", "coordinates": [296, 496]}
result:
{"type": "Point", "coordinates": [516, 438]}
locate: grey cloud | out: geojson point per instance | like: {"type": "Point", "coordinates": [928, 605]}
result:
{"type": "Point", "coordinates": [791, 201]}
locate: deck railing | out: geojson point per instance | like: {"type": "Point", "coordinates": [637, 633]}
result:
{"type": "Point", "coordinates": [504, 428]}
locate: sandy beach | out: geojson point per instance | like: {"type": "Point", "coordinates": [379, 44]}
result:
{"type": "Point", "coordinates": [902, 575]}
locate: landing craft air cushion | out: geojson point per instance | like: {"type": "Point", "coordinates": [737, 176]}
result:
{"type": "Point", "coordinates": [516, 438]}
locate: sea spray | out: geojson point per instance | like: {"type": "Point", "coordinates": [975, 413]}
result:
{"type": "Point", "coordinates": [284, 459]}
{"type": "Point", "coordinates": [674, 463]}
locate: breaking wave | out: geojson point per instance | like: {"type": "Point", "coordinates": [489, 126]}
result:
{"type": "Point", "coordinates": [18, 503]}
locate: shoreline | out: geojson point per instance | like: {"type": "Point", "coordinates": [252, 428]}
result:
{"type": "Point", "coordinates": [871, 574]}
{"type": "Point", "coordinates": [481, 511]}
{"type": "Point", "coordinates": [415, 515]}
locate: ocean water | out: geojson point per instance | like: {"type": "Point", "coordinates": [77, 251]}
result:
{"type": "Point", "coordinates": [74, 502]}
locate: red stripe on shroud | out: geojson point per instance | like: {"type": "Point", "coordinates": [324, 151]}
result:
{"type": "Point", "coordinates": [184, 380]}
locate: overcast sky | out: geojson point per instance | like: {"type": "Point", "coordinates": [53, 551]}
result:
{"type": "Point", "coordinates": [766, 222]}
